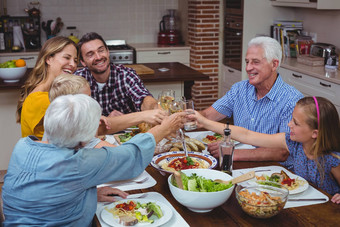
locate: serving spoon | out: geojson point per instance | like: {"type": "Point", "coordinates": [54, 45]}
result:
{"type": "Point", "coordinates": [238, 179]}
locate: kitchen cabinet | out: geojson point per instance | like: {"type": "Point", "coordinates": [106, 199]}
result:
{"type": "Point", "coordinates": [316, 4]}
{"type": "Point", "coordinates": [163, 55]}
{"type": "Point", "coordinates": [229, 77]}
{"type": "Point", "coordinates": [312, 86]}
{"type": "Point", "coordinates": [152, 53]}
{"type": "Point", "coordinates": [29, 57]}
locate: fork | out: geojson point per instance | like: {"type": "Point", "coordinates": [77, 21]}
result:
{"type": "Point", "coordinates": [130, 181]}
{"type": "Point", "coordinates": [133, 196]}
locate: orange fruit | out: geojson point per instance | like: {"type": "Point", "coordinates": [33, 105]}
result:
{"type": "Point", "coordinates": [20, 63]}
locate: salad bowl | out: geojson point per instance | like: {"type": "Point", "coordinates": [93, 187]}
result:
{"type": "Point", "coordinates": [202, 201]}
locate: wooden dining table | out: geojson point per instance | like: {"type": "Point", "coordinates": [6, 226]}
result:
{"type": "Point", "coordinates": [231, 214]}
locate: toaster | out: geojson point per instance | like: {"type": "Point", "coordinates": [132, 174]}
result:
{"type": "Point", "coordinates": [323, 50]}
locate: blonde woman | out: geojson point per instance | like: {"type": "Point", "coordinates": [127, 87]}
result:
{"type": "Point", "coordinates": [58, 55]}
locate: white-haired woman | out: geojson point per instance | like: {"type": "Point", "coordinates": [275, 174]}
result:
{"type": "Point", "coordinates": [53, 183]}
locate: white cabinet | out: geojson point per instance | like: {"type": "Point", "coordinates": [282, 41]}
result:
{"type": "Point", "coordinates": [229, 77]}
{"type": "Point", "coordinates": [312, 86]}
{"type": "Point", "coordinates": [152, 56]}
{"type": "Point", "coordinates": [152, 53]}
{"type": "Point", "coordinates": [317, 4]}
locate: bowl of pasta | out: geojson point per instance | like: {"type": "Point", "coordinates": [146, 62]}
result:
{"type": "Point", "coordinates": [176, 160]}
{"type": "Point", "coordinates": [262, 201]}
{"type": "Point", "coordinates": [199, 192]}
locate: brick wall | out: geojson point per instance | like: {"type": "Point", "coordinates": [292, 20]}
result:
{"type": "Point", "coordinates": [203, 37]}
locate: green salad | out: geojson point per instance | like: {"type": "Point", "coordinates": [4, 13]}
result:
{"type": "Point", "coordinates": [200, 184]}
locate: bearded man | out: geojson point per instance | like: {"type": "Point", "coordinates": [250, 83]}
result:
{"type": "Point", "coordinates": [118, 89]}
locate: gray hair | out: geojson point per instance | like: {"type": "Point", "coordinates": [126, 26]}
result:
{"type": "Point", "coordinates": [72, 119]}
{"type": "Point", "coordinates": [271, 47]}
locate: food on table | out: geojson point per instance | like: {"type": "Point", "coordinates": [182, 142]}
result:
{"type": "Point", "coordinates": [141, 128]}
{"type": "Point", "coordinates": [133, 212]}
{"type": "Point", "coordinates": [212, 138]}
{"type": "Point", "coordinates": [192, 145]}
{"type": "Point", "coordinates": [144, 127]}
{"type": "Point", "coordinates": [281, 178]}
{"type": "Point", "coordinates": [260, 205]}
{"type": "Point", "coordinates": [200, 184]}
{"type": "Point", "coordinates": [184, 163]}
{"type": "Point", "coordinates": [125, 137]}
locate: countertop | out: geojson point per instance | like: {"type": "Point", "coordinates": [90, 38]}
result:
{"type": "Point", "coordinates": [20, 53]}
{"type": "Point", "coordinates": [177, 72]}
{"type": "Point", "coordinates": [314, 71]}
{"type": "Point", "coordinates": [155, 47]}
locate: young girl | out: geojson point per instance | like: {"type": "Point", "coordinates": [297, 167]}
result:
{"type": "Point", "coordinates": [313, 142]}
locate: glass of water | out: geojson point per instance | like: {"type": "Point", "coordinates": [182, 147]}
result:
{"type": "Point", "coordinates": [189, 109]}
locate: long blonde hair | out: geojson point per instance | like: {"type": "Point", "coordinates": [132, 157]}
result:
{"type": "Point", "coordinates": [39, 72]}
{"type": "Point", "coordinates": [328, 127]}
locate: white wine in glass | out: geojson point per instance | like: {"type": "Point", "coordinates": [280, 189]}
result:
{"type": "Point", "coordinates": [165, 98]}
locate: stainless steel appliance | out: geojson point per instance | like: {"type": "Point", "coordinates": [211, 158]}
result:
{"type": "Point", "coordinates": [120, 52]}
{"type": "Point", "coordinates": [323, 50]}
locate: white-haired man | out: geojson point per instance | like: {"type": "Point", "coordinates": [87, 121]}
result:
{"type": "Point", "coordinates": [263, 103]}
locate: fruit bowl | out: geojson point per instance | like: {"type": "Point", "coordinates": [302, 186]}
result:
{"type": "Point", "coordinates": [262, 201]}
{"type": "Point", "coordinates": [12, 75]}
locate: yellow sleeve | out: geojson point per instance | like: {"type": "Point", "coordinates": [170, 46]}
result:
{"type": "Point", "coordinates": [32, 114]}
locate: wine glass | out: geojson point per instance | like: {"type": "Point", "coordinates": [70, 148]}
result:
{"type": "Point", "coordinates": [165, 98]}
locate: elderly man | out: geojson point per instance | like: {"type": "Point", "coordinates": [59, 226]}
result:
{"type": "Point", "coordinates": [118, 89]}
{"type": "Point", "coordinates": [263, 103]}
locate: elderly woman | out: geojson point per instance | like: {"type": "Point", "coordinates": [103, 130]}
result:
{"type": "Point", "coordinates": [53, 183]}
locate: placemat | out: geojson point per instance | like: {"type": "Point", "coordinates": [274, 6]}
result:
{"type": "Point", "coordinates": [175, 221]}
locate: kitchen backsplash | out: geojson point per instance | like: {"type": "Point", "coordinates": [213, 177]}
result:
{"type": "Point", "coordinates": [136, 21]}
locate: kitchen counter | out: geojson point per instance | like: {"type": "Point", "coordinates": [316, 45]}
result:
{"type": "Point", "coordinates": [314, 71]}
{"type": "Point", "coordinates": [155, 46]}
{"type": "Point", "coordinates": [176, 72]}
{"type": "Point", "coordinates": [19, 53]}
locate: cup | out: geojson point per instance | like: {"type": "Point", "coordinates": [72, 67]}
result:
{"type": "Point", "coordinates": [189, 108]}
{"type": "Point", "coordinates": [165, 98]}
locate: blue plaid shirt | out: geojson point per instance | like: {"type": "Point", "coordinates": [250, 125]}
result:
{"type": "Point", "coordinates": [124, 91]}
{"type": "Point", "coordinates": [270, 114]}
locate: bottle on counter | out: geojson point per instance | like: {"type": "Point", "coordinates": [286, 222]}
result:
{"type": "Point", "coordinates": [226, 152]}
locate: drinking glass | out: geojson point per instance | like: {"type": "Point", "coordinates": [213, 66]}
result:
{"type": "Point", "coordinates": [176, 106]}
{"type": "Point", "coordinates": [165, 98]}
{"type": "Point", "coordinates": [189, 108]}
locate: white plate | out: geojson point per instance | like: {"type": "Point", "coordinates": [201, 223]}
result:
{"type": "Point", "coordinates": [168, 156]}
{"type": "Point", "coordinates": [200, 135]}
{"type": "Point", "coordinates": [300, 189]}
{"type": "Point", "coordinates": [109, 219]}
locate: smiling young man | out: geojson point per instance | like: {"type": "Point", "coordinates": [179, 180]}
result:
{"type": "Point", "coordinates": [118, 89]}
{"type": "Point", "coordinates": [263, 103]}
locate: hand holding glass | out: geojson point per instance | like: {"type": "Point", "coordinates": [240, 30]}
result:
{"type": "Point", "coordinates": [189, 109]}
{"type": "Point", "coordinates": [165, 98]}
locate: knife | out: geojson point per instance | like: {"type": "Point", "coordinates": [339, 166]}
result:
{"type": "Point", "coordinates": [319, 199]}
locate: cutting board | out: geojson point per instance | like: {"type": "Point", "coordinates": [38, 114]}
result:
{"type": "Point", "coordinates": [311, 60]}
{"type": "Point", "coordinates": [141, 69]}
